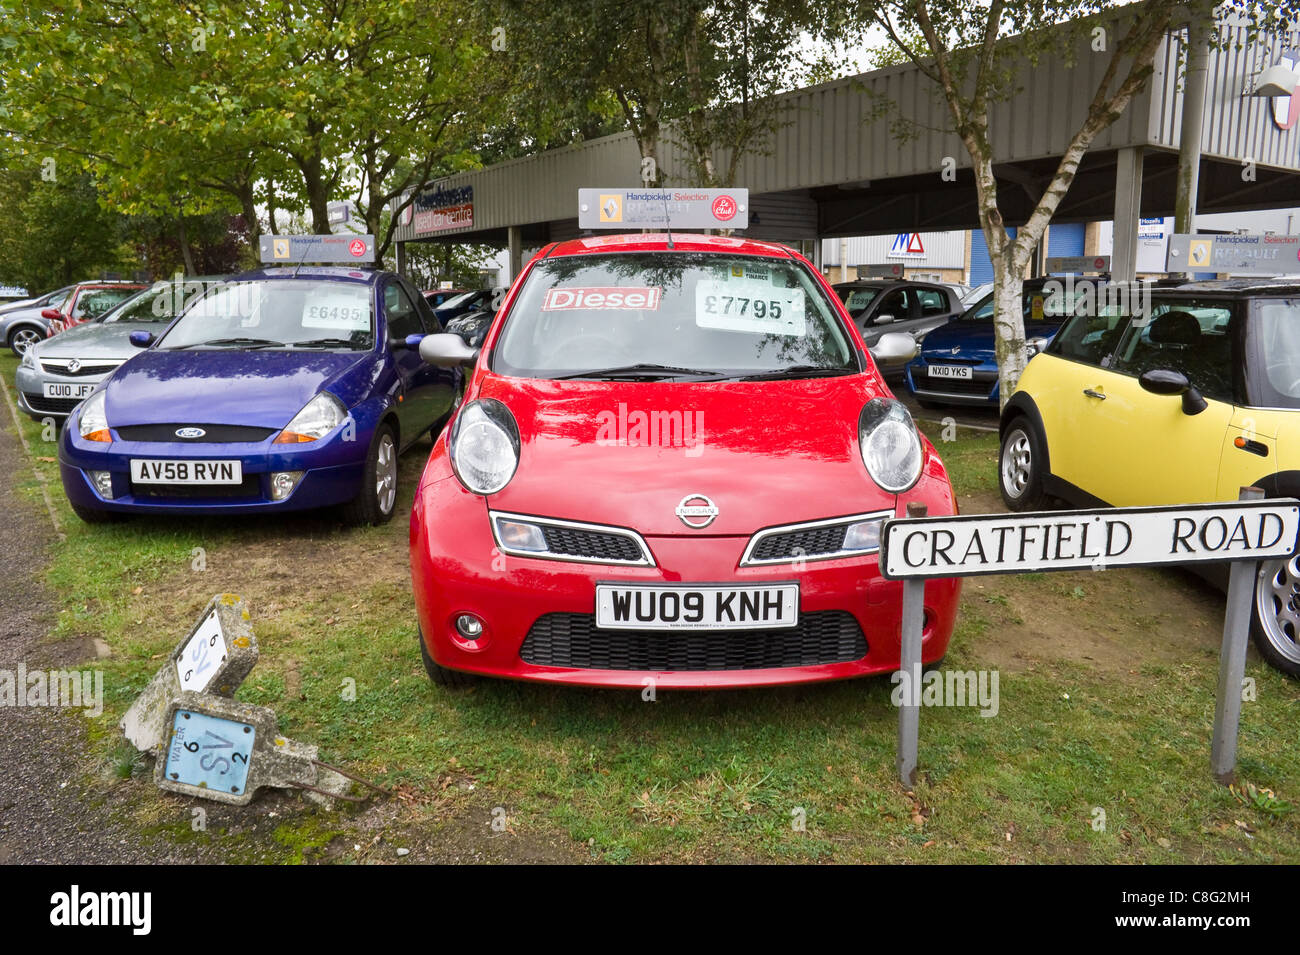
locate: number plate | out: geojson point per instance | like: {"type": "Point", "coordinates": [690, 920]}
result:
{"type": "Point", "coordinates": [146, 471]}
{"type": "Point", "coordinates": [210, 752]}
{"type": "Point", "coordinates": [202, 655]}
{"type": "Point", "coordinates": [56, 389]}
{"type": "Point", "coordinates": [704, 607]}
{"type": "Point", "coordinates": [951, 371]}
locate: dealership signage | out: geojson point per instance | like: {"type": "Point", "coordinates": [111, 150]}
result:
{"type": "Point", "coordinates": [443, 209]}
{"type": "Point", "coordinates": [1244, 533]}
{"type": "Point", "coordinates": [1235, 254]}
{"type": "Point", "coordinates": [907, 245]}
{"type": "Point", "coordinates": [1079, 540]}
{"type": "Point", "coordinates": [892, 270]}
{"type": "Point", "coordinates": [332, 249]}
{"type": "Point", "coordinates": [657, 208]}
{"type": "Point", "coordinates": [1079, 263]}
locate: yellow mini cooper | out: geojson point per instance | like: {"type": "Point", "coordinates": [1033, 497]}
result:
{"type": "Point", "coordinates": [1169, 394]}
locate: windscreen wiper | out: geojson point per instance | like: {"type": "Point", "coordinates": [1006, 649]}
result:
{"type": "Point", "coordinates": [245, 342]}
{"type": "Point", "coordinates": [328, 343]}
{"type": "Point", "coordinates": [644, 372]}
{"type": "Point", "coordinates": [796, 371]}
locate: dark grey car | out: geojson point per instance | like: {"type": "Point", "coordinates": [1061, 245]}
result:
{"type": "Point", "coordinates": [878, 306]}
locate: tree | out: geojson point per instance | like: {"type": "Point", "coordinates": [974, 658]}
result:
{"type": "Point", "coordinates": [971, 76]}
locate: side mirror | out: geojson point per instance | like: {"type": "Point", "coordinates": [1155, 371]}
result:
{"type": "Point", "coordinates": [886, 319]}
{"type": "Point", "coordinates": [140, 338]}
{"type": "Point", "coordinates": [1165, 381]}
{"type": "Point", "coordinates": [410, 341]}
{"type": "Point", "coordinates": [1034, 346]}
{"type": "Point", "coordinates": [53, 314]}
{"type": "Point", "coordinates": [894, 348]}
{"type": "Point", "coordinates": [447, 350]}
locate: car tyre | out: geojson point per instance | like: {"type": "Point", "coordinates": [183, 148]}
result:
{"type": "Point", "coordinates": [1275, 620]}
{"type": "Point", "coordinates": [1020, 466]}
{"type": "Point", "coordinates": [376, 502]}
{"type": "Point", "coordinates": [22, 338]}
{"type": "Point", "coordinates": [91, 516]}
{"type": "Point", "coordinates": [440, 674]}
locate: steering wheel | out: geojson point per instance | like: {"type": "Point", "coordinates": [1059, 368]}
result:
{"type": "Point", "coordinates": [619, 352]}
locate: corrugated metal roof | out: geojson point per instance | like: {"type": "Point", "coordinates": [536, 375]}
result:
{"type": "Point", "coordinates": [828, 138]}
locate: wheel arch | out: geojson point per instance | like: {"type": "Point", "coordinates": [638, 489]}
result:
{"type": "Point", "coordinates": [1021, 404]}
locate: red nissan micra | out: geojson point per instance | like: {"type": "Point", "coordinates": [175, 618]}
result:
{"type": "Point", "coordinates": [671, 467]}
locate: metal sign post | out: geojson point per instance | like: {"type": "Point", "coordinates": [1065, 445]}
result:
{"type": "Point", "coordinates": [909, 714]}
{"type": "Point", "coordinates": [918, 548]}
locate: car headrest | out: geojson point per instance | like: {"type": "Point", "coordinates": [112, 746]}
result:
{"type": "Point", "coordinates": [1175, 328]}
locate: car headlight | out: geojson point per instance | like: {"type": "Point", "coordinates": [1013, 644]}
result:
{"type": "Point", "coordinates": [92, 423]}
{"type": "Point", "coordinates": [318, 418]}
{"type": "Point", "coordinates": [484, 446]}
{"type": "Point", "coordinates": [891, 448]}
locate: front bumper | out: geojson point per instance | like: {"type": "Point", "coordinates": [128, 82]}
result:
{"type": "Point", "coordinates": [31, 392]}
{"type": "Point", "coordinates": [333, 469]}
{"type": "Point", "coordinates": [980, 390]}
{"type": "Point", "coordinates": [456, 569]}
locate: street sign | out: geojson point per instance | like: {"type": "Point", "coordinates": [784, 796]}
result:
{"type": "Point", "coordinates": [1079, 263]}
{"type": "Point", "coordinates": [657, 208]}
{"type": "Point", "coordinates": [918, 548]}
{"type": "Point", "coordinates": [1244, 533]}
{"type": "Point", "coordinates": [331, 249]}
{"type": "Point", "coordinates": [1234, 254]}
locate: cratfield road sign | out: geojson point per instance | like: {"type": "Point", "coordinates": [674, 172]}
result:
{"type": "Point", "coordinates": [1079, 540]}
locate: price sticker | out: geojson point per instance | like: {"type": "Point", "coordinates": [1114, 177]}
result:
{"type": "Point", "coordinates": [746, 305]}
{"type": "Point", "coordinates": [337, 308]}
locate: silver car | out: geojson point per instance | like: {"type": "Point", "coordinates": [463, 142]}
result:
{"type": "Point", "coordinates": [57, 373]}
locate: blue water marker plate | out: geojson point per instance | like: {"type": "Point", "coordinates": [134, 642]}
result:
{"type": "Point", "coordinates": [210, 752]}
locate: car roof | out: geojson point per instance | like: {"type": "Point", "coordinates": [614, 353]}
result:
{"type": "Point", "coordinates": [1239, 287]}
{"type": "Point", "coordinates": [332, 273]}
{"type": "Point", "coordinates": [658, 242]}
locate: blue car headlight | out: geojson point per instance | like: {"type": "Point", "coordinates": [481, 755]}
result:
{"type": "Point", "coordinates": [317, 418]}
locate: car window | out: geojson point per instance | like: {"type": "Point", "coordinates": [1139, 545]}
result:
{"type": "Point", "coordinates": [933, 301]}
{"type": "Point", "coordinates": [1273, 369]}
{"type": "Point", "coordinates": [1184, 335]}
{"type": "Point", "coordinates": [1089, 338]}
{"type": "Point", "coordinates": [456, 301]}
{"type": "Point", "coordinates": [894, 304]}
{"type": "Point", "coordinates": [400, 313]}
{"type": "Point", "coordinates": [95, 302]}
{"type": "Point", "coordinates": [858, 300]}
{"type": "Point", "coordinates": [723, 313]}
{"type": "Point", "coordinates": [150, 305]}
{"type": "Point", "coordinates": [285, 311]}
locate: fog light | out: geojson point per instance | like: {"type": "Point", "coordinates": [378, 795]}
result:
{"type": "Point", "coordinates": [283, 483]}
{"type": "Point", "coordinates": [103, 482]}
{"type": "Point", "coordinates": [469, 626]}
{"type": "Point", "coordinates": [864, 535]}
{"type": "Point", "coordinates": [516, 535]}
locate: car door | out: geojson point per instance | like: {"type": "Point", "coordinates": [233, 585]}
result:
{"type": "Point", "coordinates": [442, 384]}
{"type": "Point", "coordinates": [1144, 448]}
{"type": "Point", "coordinates": [934, 306]}
{"type": "Point", "coordinates": [415, 383]}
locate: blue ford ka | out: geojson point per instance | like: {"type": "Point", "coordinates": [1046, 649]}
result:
{"type": "Point", "coordinates": [276, 390]}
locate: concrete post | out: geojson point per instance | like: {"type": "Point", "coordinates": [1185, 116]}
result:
{"type": "Point", "coordinates": [1128, 200]}
{"type": "Point", "coordinates": [515, 237]}
{"type": "Point", "coordinates": [1232, 660]}
{"type": "Point", "coordinates": [401, 257]}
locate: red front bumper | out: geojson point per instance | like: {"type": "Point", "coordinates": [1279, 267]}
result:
{"type": "Point", "coordinates": [456, 569]}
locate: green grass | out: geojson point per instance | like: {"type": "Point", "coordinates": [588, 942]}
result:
{"type": "Point", "coordinates": [705, 776]}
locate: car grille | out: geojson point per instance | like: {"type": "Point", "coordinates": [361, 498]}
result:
{"type": "Point", "coordinates": [215, 433]}
{"type": "Point", "coordinates": [807, 542]}
{"type": "Point", "coordinates": [51, 405]}
{"type": "Point", "coordinates": [60, 367]}
{"type": "Point", "coordinates": [573, 640]}
{"type": "Point", "coordinates": [592, 545]}
{"type": "Point", "coordinates": [250, 489]}
{"type": "Point", "coordinates": [982, 384]}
